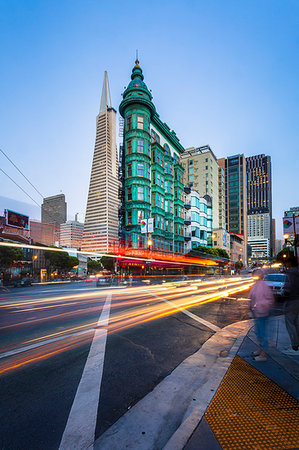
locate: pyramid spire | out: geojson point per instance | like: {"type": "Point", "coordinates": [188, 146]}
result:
{"type": "Point", "coordinates": [105, 98]}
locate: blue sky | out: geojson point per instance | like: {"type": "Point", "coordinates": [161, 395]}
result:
{"type": "Point", "coordinates": [221, 73]}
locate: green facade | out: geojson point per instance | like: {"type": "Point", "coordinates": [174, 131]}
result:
{"type": "Point", "coordinates": [152, 176]}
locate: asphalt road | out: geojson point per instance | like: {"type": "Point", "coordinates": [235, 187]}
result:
{"type": "Point", "coordinates": [74, 358]}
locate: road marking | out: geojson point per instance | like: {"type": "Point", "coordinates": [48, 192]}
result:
{"type": "Point", "coordinates": [188, 313]}
{"type": "Point", "coordinates": [79, 432]}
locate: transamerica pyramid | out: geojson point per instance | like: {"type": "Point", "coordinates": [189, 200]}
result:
{"type": "Point", "coordinates": [101, 219]}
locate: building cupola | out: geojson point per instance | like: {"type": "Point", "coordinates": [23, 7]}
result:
{"type": "Point", "coordinates": [137, 91]}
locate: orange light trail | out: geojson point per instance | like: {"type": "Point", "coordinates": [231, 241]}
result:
{"type": "Point", "coordinates": [142, 310]}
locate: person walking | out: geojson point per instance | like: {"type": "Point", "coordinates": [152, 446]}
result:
{"type": "Point", "coordinates": [261, 302]}
{"type": "Point", "coordinates": [291, 305]}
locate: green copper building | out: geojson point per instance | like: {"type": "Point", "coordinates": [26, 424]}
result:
{"type": "Point", "coordinates": [152, 176]}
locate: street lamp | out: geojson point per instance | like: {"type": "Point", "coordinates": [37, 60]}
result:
{"type": "Point", "coordinates": [293, 243]}
{"type": "Point", "coordinates": [34, 260]}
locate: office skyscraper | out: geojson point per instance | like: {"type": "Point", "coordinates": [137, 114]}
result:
{"type": "Point", "coordinates": [235, 196]}
{"type": "Point", "coordinates": [71, 234]}
{"type": "Point", "coordinates": [54, 209]}
{"type": "Point", "coordinates": [259, 205]}
{"type": "Point", "coordinates": [53, 213]}
{"type": "Point", "coordinates": [101, 219]}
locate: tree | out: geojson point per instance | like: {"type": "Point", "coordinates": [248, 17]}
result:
{"type": "Point", "coordinates": [223, 253]}
{"type": "Point", "coordinates": [108, 263]}
{"type": "Point", "coordinates": [73, 261]}
{"type": "Point", "coordinates": [93, 266]}
{"type": "Point", "coordinates": [238, 265]}
{"type": "Point", "coordinates": [284, 254]}
{"type": "Point", "coordinates": [10, 254]}
{"type": "Point", "coordinates": [57, 260]}
{"type": "Point", "coordinates": [210, 251]}
{"type": "Point", "coordinates": [202, 249]}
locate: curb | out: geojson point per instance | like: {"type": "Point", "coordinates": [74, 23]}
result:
{"type": "Point", "coordinates": [168, 415]}
{"type": "Point", "coordinates": [180, 438]}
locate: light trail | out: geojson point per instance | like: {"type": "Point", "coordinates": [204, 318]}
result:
{"type": "Point", "coordinates": [143, 255]}
{"type": "Point", "coordinates": [142, 310]}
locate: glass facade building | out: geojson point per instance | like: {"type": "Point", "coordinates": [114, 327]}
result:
{"type": "Point", "coordinates": [235, 195]}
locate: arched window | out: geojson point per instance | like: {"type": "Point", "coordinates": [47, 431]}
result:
{"type": "Point", "coordinates": [167, 149]}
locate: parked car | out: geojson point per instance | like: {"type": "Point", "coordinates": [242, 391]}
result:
{"type": "Point", "coordinates": [276, 282]}
{"type": "Point", "coordinates": [19, 282]}
{"type": "Point", "coordinates": [90, 279]}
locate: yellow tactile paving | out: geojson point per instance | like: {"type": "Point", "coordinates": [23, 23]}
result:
{"type": "Point", "coordinates": [249, 411]}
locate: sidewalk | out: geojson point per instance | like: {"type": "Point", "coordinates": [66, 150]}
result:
{"type": "Point", "coordinates": [256, 404]}
{"type": "Point", "coordinates": [219, 398]}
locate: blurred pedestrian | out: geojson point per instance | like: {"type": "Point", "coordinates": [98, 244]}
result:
{"type": "Point", "coordinates": [291, 305]}
{"type": "Point", "coordinates": [130, 279]}
{"type": "Point", "coordinates": [261, 302]}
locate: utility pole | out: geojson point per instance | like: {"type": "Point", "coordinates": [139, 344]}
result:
{"type": "Point", "coordinates": [295, 238]}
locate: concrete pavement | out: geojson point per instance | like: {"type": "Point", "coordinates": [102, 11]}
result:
{"type": "Point", "coordinates": [219, 397]}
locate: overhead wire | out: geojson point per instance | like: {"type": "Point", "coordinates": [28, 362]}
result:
{"type": "Point", "coordinates": [20, 187]}
{"type": "Point", "coordinates": [21, 173]}
{"type": "Point", "coordinates": [31, 184]}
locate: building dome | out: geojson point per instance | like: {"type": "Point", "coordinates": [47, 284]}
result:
{"type": "Point", "coordinates": [137, 91]}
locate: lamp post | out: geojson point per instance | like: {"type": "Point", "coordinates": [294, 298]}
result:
{"type": "Point", "coordinates": [149, 244]}
{"type": "Point", "coordinates": [34, 261]}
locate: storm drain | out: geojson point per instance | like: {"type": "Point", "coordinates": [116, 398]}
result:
{"type": "Point", "coordinates": [249, 411]}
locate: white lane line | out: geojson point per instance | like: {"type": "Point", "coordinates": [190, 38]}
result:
{"type": "Point", "coordinates": [188, 313]}
{"type": "Point", "coordinates": [40, 344]}
{"type": "Point", "coordinates": [79, 432]}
